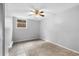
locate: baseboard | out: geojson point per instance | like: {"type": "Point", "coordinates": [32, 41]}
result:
{"type": "Point", "coordinates": [62, 46]}
{"type": "Point", "coordinates": [26, 40]}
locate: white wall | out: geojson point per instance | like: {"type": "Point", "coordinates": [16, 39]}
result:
{"type": "Point", "coordinates": [8, 30]}
{"type": "Point", "coordinates": [62, 28]}
{"type": "Point", "coordinates": [32, 31]}
{"type": "Point", "coordinates": [8, 34]}
{"type": "Point", "coordinates": [1, 31]}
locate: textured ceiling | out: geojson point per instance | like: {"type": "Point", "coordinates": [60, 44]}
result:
{"type": "Point", "coordinates": [17, 9]}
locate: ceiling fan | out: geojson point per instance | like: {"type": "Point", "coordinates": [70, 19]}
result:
{"type": "Point", "coordinates": [39, 11]}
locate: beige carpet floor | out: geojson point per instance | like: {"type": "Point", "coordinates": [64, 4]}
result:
{"type": "Point", "coordinates": [39, 48]}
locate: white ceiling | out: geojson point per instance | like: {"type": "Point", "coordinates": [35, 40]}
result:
{"type": "Point", "coordinates": [20, 9]}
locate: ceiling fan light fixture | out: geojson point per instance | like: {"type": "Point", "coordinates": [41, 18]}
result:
{"type": "Point", "coordinates": [37, 12]}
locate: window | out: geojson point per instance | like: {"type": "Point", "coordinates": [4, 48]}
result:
{"type": "Point", "coordinates": [21, 23]}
